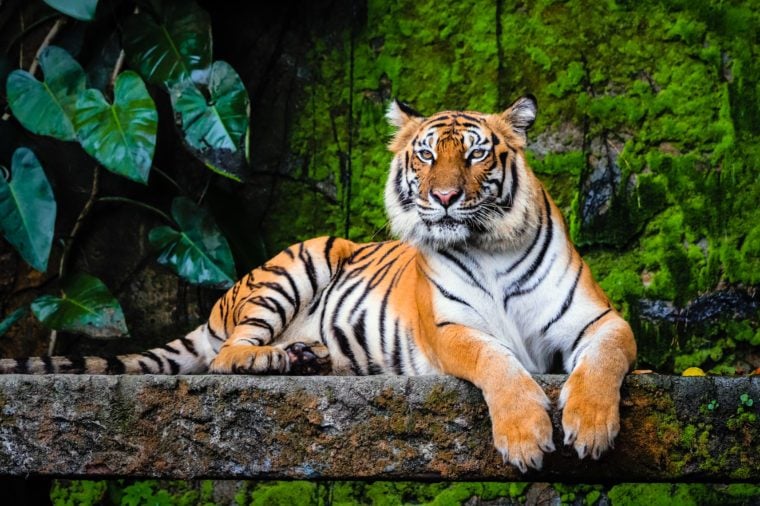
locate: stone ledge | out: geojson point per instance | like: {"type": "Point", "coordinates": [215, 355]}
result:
{"type": "Point", "coordinates": [380, 427]}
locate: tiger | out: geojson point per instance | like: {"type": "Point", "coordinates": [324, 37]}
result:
{"type": "Point", "coordinates": [482, 283]}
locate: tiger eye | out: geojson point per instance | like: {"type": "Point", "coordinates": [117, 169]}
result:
{"type": "Point", "coordinates": [425, 154]}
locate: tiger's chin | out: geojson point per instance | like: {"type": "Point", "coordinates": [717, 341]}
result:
{"type": "Point", "coordinates": [443, 233]}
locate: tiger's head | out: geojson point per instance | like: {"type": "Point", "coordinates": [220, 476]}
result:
{"type": "Point", "coordinates": [461, 177]}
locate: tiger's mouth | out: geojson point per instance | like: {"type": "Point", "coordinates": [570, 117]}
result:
{"type": "Point", "coordinates": [445, 221]}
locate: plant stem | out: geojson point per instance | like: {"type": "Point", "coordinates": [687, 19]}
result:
{"type": "Point", "coordinates": [46, 42]}
{"type": "Point", "coordinates": [70, 241]}
{"type": "Point", "coordinates": [80, 221]}
{"type": "Point", "coordinates": [117, 68]}
{"type": "Point", "coordinates": [168, 178]}
{"type": "Point", "coordinates": [138, 204]}
{"type": "Point", "coordinates": [52, 343]}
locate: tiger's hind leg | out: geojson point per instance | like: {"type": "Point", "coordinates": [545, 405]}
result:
{"type": "Point", "coordinates": [309, 358]}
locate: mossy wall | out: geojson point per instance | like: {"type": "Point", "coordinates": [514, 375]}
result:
{"type": "Point", "coordinates": [647, 138]}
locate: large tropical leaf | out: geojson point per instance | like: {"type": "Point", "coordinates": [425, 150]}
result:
{"type": "Point", "coordinates": [215, 128]}
{"type": "Point", "coordinates": [121, 136]}
{"type": "Point", "coordinates": [170, 42]}
{"type": "Point", "coordinates": [12, 318]}
{"type": "Point", "coordinates": [197, 251]}
{"type": "Point", "coordinates": [85, 306]}
{"type": "Point", "coordinates": [83, 10]}
{"type": "Point", "coordinates": [27, 209]}
{"type": "Point", "coordinates": [47, 108]}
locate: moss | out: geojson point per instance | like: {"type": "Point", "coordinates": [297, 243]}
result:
{"type": "Point", "coordinates": [285, 493]}
{"type": "Point", "coordinates": [78, 493]}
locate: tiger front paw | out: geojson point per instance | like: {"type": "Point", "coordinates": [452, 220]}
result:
{"type": "Point", "coordinates": [522, 429]}
{"type": "Point", "coordinates": [590, 415]}
{"type": "Point", "coordinates": [250, 359]}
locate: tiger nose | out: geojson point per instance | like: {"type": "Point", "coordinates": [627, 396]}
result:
{"type": "Point", "coordinates": [446, 197]}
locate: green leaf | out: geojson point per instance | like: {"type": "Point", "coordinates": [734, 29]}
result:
{"type": "Point", "coordinates": [86, 306]}
{"type": "Point", "coordinates": [27, 209]}
{"type": "Point", "coordinates": [171, 43]}
{"type": "Point", "coordinates": [215, 128]}
{"type": "Point", "coordinates": [198, 251]}
{"type": "Point", "coordinates": [12, 318]}
{"type": "Point", "coordinates": [47, 108]}
{"type": "Point", "coordinates": [121, 136]}
{"type": "Point", "coordinates": [83, 10]}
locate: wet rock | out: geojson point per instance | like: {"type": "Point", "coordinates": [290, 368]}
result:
{"type": "Point", "coordinates": [733, 303]}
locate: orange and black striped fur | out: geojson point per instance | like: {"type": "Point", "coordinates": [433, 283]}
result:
{"type": "Point", "coordinates": [483, 284]}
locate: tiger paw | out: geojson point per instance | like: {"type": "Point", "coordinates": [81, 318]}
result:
{"type": "Point", "coordinates": [522, 429]}
{"type": "Point", "coordinates": [250, 359]}
{"type": "Point", "coordinates": [590, 415]}
{"type": "Point", "coordinates": [308, 359]}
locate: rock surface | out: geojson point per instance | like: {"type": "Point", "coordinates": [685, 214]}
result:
{"type": "Point", "coordinates": [386, 427]}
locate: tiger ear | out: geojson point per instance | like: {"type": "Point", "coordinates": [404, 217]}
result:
{"type": "Point", "coordinates": [521, 114]}
{"type": "Point", "coordinates": [400, 114]}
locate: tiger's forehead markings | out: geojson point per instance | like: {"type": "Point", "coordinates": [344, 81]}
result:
{"type": "Point", "coordinates": [465, 129]}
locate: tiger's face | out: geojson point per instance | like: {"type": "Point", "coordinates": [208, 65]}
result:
{"type": "Point", "coordinates": [455, 177]}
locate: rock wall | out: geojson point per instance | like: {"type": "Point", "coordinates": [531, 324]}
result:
{"type": "Point", "coordinates": [380, 427]}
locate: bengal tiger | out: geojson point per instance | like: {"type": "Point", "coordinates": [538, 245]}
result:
{"type": "Point", "coordinates": [483, 284]}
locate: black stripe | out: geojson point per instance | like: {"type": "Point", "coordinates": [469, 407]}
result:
{"type": "Point", "coordinates": [76, 365]}
{"type": "Point", "coordinates": [174, 366]}
{"type": "Point", "coordinates": [288, 251]}
{"type": "Point", "coordinates": [536, 284]}
{"type": "Point", "coordinates": [143, 367]}
{"type": "Point", "coordinates": [384, 309]}
{"type": "Point", "coordinates": [22, 366]}
{"type": "Point", "coordinates": [339, 334]}
{"type": "Point", "coordinates": [281, 271]}
{"type": "Point", "coordinates": [345, 348]}
{"type": "Point", "coordinates": [189, 346]}
{"type": "Point", "coordinates": [566, 303]}
{"type": "Point", "coordinates": [114, 365]}
{"type": "Point", "coordinates": [463, 268]}
{"type": "Point", "coordinates": [396, 363]}
{"type": "Point", "coordinates": [308, 262]}
{"type": "Point", "coordinates": [528, 251]}
{"type": "Point", "coordinates": [213, 333]}
{"type": "Point", "coordinates": [279, 289]}
{"type": "Point", "coordinates": [513, 190]}
{"type": "Point", "coordinates": [360, 334]}
{"type": "Point", "coordinates": [495, 139]}
{"type": "Point", "coordinates": [155, 358]}
{"type": "Point", "coordinates": [541, 254]}
{"type": "Point", "coordinates": [258, 322]}
{"type": "Point", "coordinates": [170, 349]}
{"type": "Point", "coordinates": [585, 328]}
{"type": "Point", "coordinates": [467, 116]}
{"type": "Point", "coordinates": [444, 324]}
{"type": "Point", "coordinates": [446, 293]}
{"type": "Point", "coordinates": [328, 249]}
{"type": "Point", "coordinates": [48, 365]}
{"type": "Point", "coordinates": [372, 247]}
